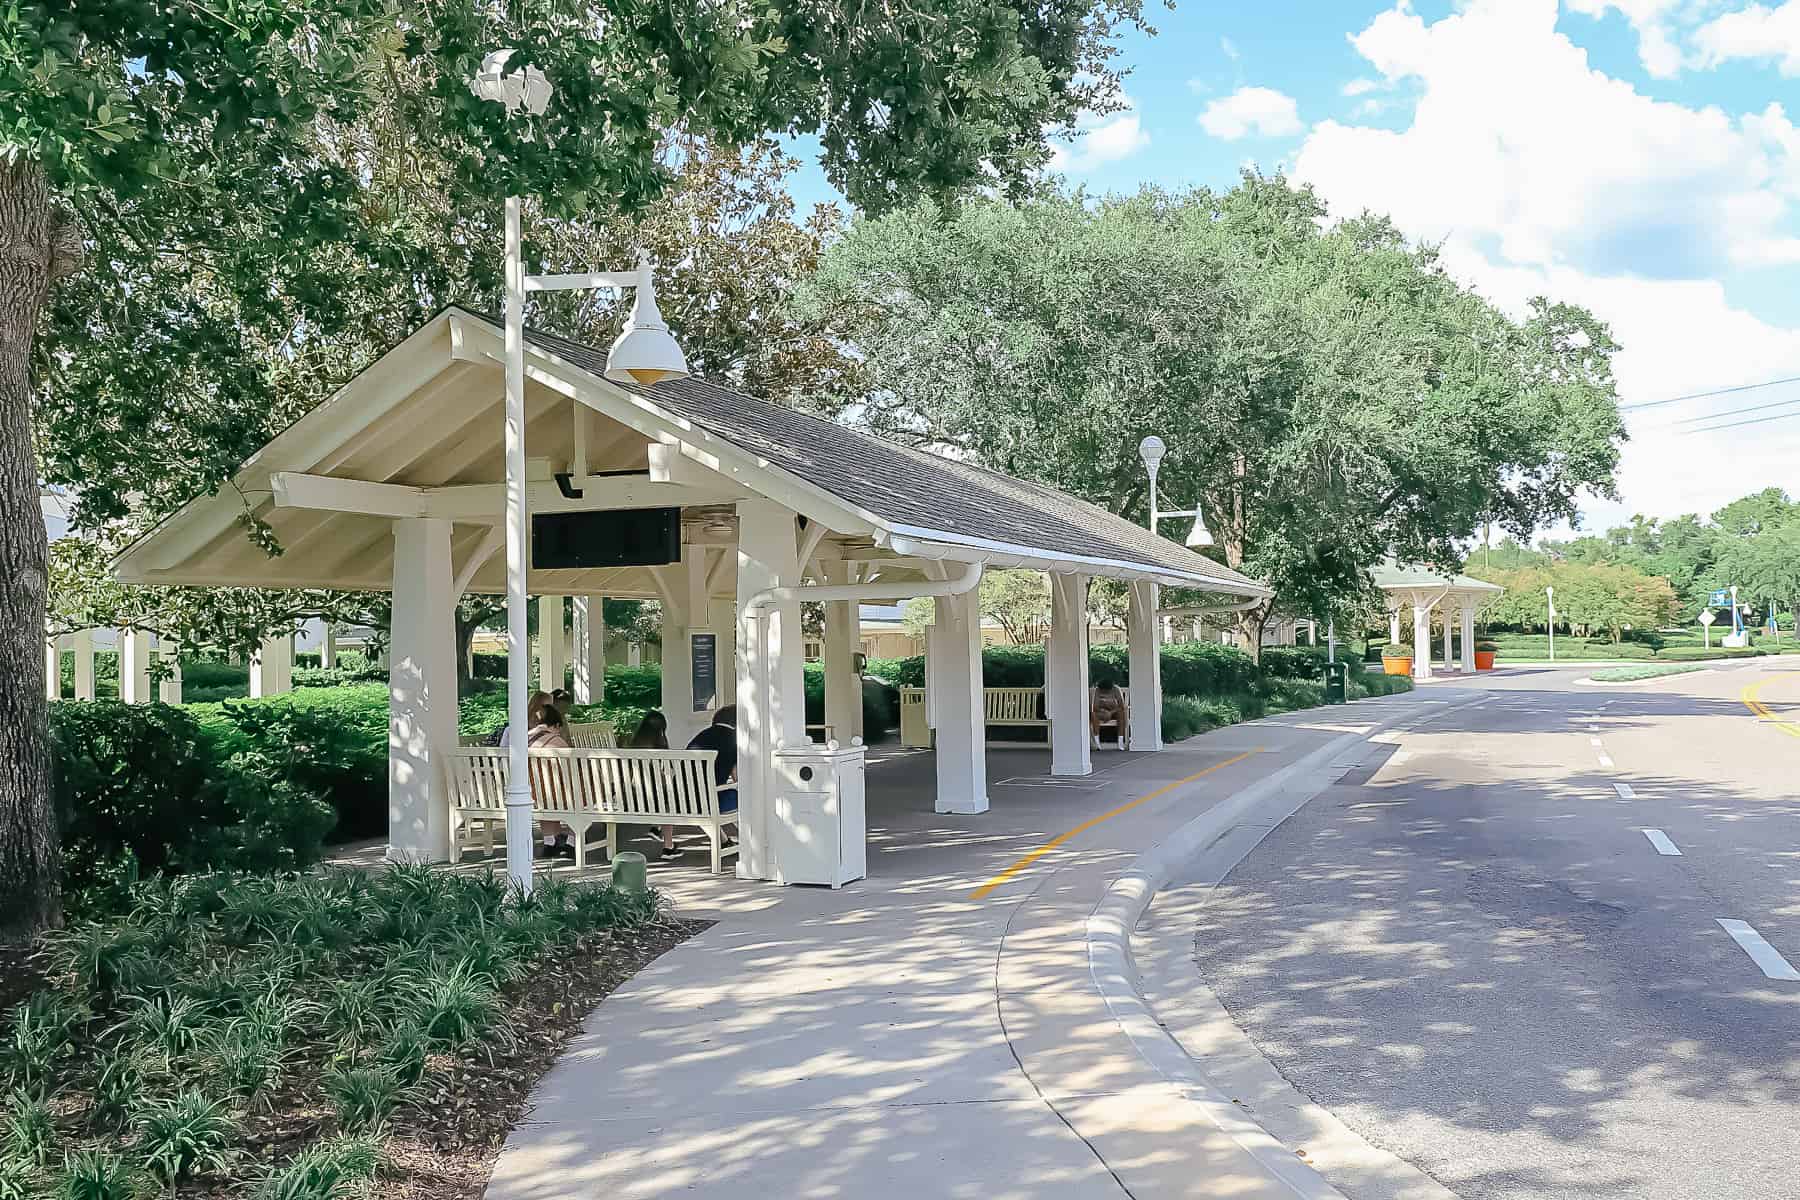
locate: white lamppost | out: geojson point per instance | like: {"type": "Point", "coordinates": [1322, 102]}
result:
{"type": "Point", "coordinates": [644, 353]}
{"type": "Point", "coordinates": [1550, 607]}
{"type": "Point", "coordinates": [1152, 450]}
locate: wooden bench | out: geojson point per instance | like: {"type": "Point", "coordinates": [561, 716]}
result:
{"type": "Point", "coordinates": [1000, 706]}
{"type": "Point", "coordinates": [582, 788]}
{"type": "Point", "coordinates": [584, 735]}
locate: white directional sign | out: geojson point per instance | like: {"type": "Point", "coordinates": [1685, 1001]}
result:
{"type": "Point", "coordinates": [1706, 616]}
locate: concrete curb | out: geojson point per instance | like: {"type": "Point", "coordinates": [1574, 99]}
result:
{"type": "Point", "coordinates": [1114, 972]}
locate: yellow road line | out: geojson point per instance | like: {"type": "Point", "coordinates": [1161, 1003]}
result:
{"type": "Point", "coordinates": [982, 892]}
{"type": "Point", "coordinates": [1752, 702]}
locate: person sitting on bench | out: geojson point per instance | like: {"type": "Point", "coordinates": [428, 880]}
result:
{"type": "Point", "coordinates": [1108, 707]}
{"type": "Point", "coordinates": [721, 738]}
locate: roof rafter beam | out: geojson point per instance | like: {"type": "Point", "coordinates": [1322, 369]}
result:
{"type": "Point", "coordinates": [484, 503]}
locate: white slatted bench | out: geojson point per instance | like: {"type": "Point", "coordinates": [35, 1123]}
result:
{"type": "Point", "coordinates": [582, 788]}
{"type": "Point", "coordinates": [1000, 706]}
{"type": "Point", "coordinates": [593, 735]}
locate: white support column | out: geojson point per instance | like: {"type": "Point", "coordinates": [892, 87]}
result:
{"type": "Point", "coordinates": [1066, 677]}
{"type": "Point", "coordinates": [82, 643]}
{"type": "Point", "coordinates": [771, 695]}
{"type": "Point", "coordinates": [421, 691]}
{"type": "Point", "coordinates": [169, 689]}
{"type": "Point", "coordinates": [843, 687]}
{"type": "Point", "coordinates": [52, 668]}
{"type": "Point", "coordinates": [589, 625]}
{"type": "Point", "coordinates": [682, 614]}
{"type": "Point", "coordinates": [958, 708]}
{"type": "Point", "coordinates": [134, 666]}
{"type": "Point", "coordinates": [1421, 641]}
{"type": "Point", "coordinates": [1449, 661]}
{"type": "Point", "coordinates": [328, 647]}
{"type": "Point", "coordinates": [272, 667]}
{"type": "Point", "coordinates": [1468, 639]}
{"type": "Point", "coordinates": [552, 653]}
{"type": "Point", "coordinates": [1146, 666]}
{"type": "Point", "coordinates": [723, 621]}
{"type": "Point", "coordinates": [1394, 627]}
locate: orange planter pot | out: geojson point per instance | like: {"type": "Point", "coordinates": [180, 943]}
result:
{"type": "Point", "coordinates": [1397, 666]}
{"type": "Point", "coordinates": [1484, 660]}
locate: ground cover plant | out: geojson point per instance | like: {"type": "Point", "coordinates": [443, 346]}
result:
{"type": "Point", "coordinates": [1648, 671]}
{"type": "Point", "coordinates": [303, 1036]}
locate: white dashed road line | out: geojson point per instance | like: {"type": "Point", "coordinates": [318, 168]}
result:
{"type": "Point", "coordinates": [1661, 841]}
{"type": "Point", "coordinates": [1605, 761]}
{"type": "Point", "coordinates": [1625, 792]}
{"type": "Point", "coordinates": [1759, 950]}
{"type": "Point", "coordinates": [1594, 742]}
{"type": "Point", "coordinates": [1401, 756]}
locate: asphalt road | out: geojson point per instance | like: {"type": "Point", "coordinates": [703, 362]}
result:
{"type": "Point", "coordinates": [1470, 951]}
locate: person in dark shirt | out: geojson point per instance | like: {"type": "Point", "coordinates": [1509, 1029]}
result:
{"type": "Point", "coordinates": [721, 738]}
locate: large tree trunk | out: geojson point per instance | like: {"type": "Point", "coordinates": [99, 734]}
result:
{"type": "Point", "coordinates": [35, 248]}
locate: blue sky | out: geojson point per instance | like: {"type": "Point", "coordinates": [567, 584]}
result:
{"type": "Point", "coordinates": [1637, 156]}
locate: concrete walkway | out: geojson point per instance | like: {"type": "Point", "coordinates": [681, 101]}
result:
{"type": "Point", "coordinates": [903, 1037]}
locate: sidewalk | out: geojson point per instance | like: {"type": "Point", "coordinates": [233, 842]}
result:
{"type": "Point", "coordinates": [901, 1037]}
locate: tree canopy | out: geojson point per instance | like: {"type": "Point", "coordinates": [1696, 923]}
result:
{"type": "Point", "coordinates": [1328, 393]}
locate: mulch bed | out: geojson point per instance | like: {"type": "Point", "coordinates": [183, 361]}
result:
{"type": "Point", "coordinates": [442, 1143]}
{"type": "Point", "coordinates": [443, 1146]}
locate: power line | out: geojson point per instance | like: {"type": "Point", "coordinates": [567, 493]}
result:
{"type": "Point", "coordinates": [1735, 412]}
{"type": "Point", "coordinates": [1743, 387]}
{"type": "Point", "coordinates": [1738, 424]}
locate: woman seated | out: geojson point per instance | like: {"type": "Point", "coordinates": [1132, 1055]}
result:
{"type": "Point", "coordinates": [1107, 705]}
{"type": "Point", "coordinates": [550, 732]}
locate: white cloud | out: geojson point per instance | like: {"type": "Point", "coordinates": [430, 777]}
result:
{"type": "Point", "coordinates": [1540, 175]}
{"type": "Point", "coordinates": [1230, 48]}
{"type": "Point", "coordinates": [1360, 87]}
{"type": "Point", "coordinates": [1650, 18]}
{"type": "Point", "coordinates": [1252, 110]}
{"type": "Point", "coordinates": [1517, 143]}
{"type": "Point", "coordinates": [1198, 86]}
{"type": "Point", "coordinates": [1100, 140]}
{"type": "Point", "coordinates": [1753, 33]}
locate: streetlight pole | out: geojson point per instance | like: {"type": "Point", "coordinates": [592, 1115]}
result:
{"type": "Point", "coordinates": [644, 353]}
{"type": "Point", "coordinates": [1550, 607]}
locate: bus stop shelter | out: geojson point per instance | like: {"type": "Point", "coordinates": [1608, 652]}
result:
{"type": "Point", "coordinates": [395, 483]}
{"type": "Point", "coordinates": [1453, 597]}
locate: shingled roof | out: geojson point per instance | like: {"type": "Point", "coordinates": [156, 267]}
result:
{"type": "Point", "coordinates": [911, 491]}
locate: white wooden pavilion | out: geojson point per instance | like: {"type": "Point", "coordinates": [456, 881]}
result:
{"type": "Point", "coordinates": [1425, 592]}
{"type": "Point", "coordinates": [395, 483]}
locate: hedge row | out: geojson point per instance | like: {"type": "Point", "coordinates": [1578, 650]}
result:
{"type": "Point", "coordinates": [1188, 668]}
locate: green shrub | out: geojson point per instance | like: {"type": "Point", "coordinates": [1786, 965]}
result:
{"type": "Point", "coordinates": [185, 1135]}
{"type": "Point", "coordinates": [326, 744]}
{"type": "Point", "coordinates": [362, 1096]}
{"type": "Point", "coordinates": [1632, 674]}
{"type": "Point", "coordinates": [1206, 669]}
{"type": "Point", "coordinates": [30, 1129]}
{"type": "Point", "coordinates": [100, 1175]}
{"type": "Point", "coordinates": [1294, 662]}
{"type": "Point", "coordinates": [135, 789]}
{"type": "Point", "coordinates": [40, 1034]}
{"type": "Point", "coordinates": [336, 1170]}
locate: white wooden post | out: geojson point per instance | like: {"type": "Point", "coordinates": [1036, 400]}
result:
{"type": "Point", "coordinates": [771, 695]}
{"type": "Point", "coordinates": [52, 668]}
{"type": "Point", "coordinates": [1394, 627]}
{"type": "Point", "coordinates": [552, 656]}
{"type": "Point", "coordinates": [272, 667]}
{"type": "Point", "coordinates": [1449, 660]}
{"type": "Point", "coordinates": [328, 648]}
{"type": "Point", "coordinates": [134, 666]}
{"type": "Point", "coordinates": [82, 643]}
{"type": "Point", "coordinates": [1146, 666]}
{"type": "Point", "coordinates": [677, 662]}
{"type": "Point", "coordinates": [843, 688]}
{"type": "Point", "coordinates": [724, 623]}
{"type": "Point", "coordinates": [1066, 677]}
{"type": "Point", "coordinates": [1421, 641]}
{"type": "Point", "coordinates": [959, 709]}
{"type": "Point", "coordinates": [169, 690]}
{"type": "Point", "coordinates": [1468, 639]}
{"type": "Point", "coordinates": [421, 691]}
{"type": "Point", "coordinates": [589, 626]}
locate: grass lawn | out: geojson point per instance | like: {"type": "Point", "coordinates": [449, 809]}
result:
{"type": "Point", "coordinates": [1677, 647]}
{"type": "Point", "coordinates": [305, 1038]}
{"type": "Point", "coordinates": [1647, 671]}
